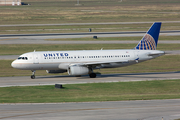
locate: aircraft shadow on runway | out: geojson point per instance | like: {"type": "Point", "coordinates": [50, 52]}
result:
{"type": "Point", "coordinates": [133, 75]}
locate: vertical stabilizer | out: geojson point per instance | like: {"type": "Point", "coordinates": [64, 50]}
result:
{"type": "Point", "coordinates": [150, 39]}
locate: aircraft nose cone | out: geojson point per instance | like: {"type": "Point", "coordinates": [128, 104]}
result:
{"type": "Point", "coordinates": [14, 64]}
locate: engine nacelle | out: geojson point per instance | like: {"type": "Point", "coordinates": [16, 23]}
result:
{"type": "Point", "coordinates": [78, 70]}
{"type": "Point", "coordinates": [56, 71]}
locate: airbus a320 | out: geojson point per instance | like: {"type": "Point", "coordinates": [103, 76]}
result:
{"type": "Point", "coordinates": [83, 62]}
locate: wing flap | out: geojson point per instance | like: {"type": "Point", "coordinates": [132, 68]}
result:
{"type": "Point", "coordinates": [156, 54]}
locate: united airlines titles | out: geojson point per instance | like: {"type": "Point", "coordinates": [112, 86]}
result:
{"type": "Point", "coordinates": [56, 54]}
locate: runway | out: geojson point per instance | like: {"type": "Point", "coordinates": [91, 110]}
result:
{"type": "Point", "coordinates": [52, 80]}
{"type": "Point", "coordinates": [117, 110]}
{"type": "Point", "coordinates": [86, 33]}
{"type": "Point", "coordinates": [42, 38]}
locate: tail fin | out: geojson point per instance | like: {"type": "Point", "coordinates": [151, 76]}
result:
{"type": "Point", "coordinates": [150, 39]}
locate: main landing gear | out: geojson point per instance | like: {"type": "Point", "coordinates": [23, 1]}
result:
{"type": "Point", "coordinates": [33, 74]}
{"type": "Point", "coordinates": [92, 75]}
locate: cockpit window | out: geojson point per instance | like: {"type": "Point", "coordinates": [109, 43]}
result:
{"type": "Point", "coordinates": [22, 58]}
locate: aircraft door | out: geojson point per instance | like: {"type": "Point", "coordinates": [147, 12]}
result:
{"type": "Point", "coordinates": [35, 58]}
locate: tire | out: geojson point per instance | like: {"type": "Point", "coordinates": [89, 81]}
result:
{"type": "Point", "coordinates": [92, 75]}
{"type": "Point", "coordinates": [32, 76]}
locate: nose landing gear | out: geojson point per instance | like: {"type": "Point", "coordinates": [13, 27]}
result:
{"type": "Point", "coordinates": [33, 74]}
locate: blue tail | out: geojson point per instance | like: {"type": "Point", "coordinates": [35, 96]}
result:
{"type": "Point", "coordinates": [150, 39]}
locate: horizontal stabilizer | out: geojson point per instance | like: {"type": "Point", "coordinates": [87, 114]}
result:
{"type": "Point", "coordinates": [157, 54]}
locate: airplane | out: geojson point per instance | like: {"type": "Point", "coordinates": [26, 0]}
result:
{"type": "Point", "coordinates": [83, 62]}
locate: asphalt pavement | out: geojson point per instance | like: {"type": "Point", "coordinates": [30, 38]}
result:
{"type": "Point", "coordinates": [113, 110]}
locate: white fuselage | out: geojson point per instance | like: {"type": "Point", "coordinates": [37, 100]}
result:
{"type": "Point", "coordinates": [61, 60]}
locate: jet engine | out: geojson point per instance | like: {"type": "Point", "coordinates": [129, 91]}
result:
{"type": "Point", "coordinates": [56, 71]}
{"type": "Point", "coordinates": [78, 70]}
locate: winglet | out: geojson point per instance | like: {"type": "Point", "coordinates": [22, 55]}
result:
{"type": "Point", "coordinates": [150, 39]}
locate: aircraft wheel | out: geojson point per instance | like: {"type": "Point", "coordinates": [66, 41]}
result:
{"type": "Point", "coordinates": [92, 75]}
{"type": "Point", "coordinates": [32, 76]}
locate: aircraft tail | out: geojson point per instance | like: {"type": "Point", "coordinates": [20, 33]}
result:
{"type": "Point", "coordinates": [150, 39]}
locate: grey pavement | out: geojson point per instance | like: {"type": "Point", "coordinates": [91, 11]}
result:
{"type": "Point", "coordinates": [43, 38]}
{"type": "Point", "coordinates": [101, 78]}
{"type": "Point", "coordinates": [113, 110]}
{"type": "Point", "coordinates": [8, 57]}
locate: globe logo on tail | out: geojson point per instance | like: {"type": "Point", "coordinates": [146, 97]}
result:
{"type": "Point", "coordinates": [147, 43]}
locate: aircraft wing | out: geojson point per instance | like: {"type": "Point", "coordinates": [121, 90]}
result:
{"type": "Point", "coordinates": [99, 64]}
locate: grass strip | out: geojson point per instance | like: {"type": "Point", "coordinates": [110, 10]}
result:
{"type": "Point", "coordinates": [143, 90]}
{"type": "Point", "coordinates": [116, 27]}
{"type": "Point", "coordinates": [65, 11]}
